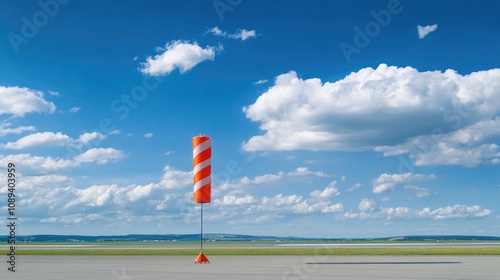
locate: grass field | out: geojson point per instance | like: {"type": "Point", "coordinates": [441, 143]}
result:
{"type": "Point", "coordinates": [267, 251]}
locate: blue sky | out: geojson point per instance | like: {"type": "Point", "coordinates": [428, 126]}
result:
{"type": "Point", "coordinates": [328, 119]}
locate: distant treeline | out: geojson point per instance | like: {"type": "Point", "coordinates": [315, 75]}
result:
{"type": "Point", "coordinates": [236, 237]}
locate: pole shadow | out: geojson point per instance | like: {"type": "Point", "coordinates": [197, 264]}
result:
{"type": "Point", "coordinates": [380, 263]}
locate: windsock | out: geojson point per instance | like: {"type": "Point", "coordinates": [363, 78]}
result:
{"type": "Point", "coordinates": [202, 164]}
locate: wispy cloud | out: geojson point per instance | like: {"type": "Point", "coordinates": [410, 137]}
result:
{"type": "Point", "coordinates": [74, 109]}
{"type": "Point", "coordinates": [148, 135]}
{"type": "Point", "coordinates": [423, 31]}
{"type": "Point", "coordinates": [260, 82]}
{"type": "Point", "coordinates": [5, 128]}
{"type": "Point", "coordinates": [241, 34]}
{"type": "Point", "coordinates": [354, 187]}
{"type": "Point", "coordinates": [304, 171]}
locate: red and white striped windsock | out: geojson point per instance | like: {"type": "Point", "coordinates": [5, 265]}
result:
{"type": "Point", "coordinates": [202, 164]}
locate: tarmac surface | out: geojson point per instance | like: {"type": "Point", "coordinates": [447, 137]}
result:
{"type": "Point", "coordinates": [253, 267]}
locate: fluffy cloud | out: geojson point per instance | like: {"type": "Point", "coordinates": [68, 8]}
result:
{"type": "Point", "coordinates": [328, 192]}
{"type": "Point", "coordinates": [335, 208]}
{"type": "Point", "coordinates": [376, 109]}
{"type": "Point", "coordinates": [176, 179]}
{"type": "Point", "coordinates": [368, 211]}
{"type": "Point", "coordinates": [217, 32]}
{"type": "Point", "coordinates": [241, 34]}
{"type": "Point", "coordinates": [419, 192]}
{"type": "Point", "coordinates": [89, 137]}
{"type": "Point", "coordinates": [139, 192]}
{"type": "Point", "coordinates": [46, 139]}
{"type": "Point", "coordinates": [237, 185]}
{"type": "Point", "coordinates": [39, 139]}
{"type": "Point", "coordinates": [467, 146]}
{"type": "Point", "coordinates": [180, 55]}
{"type": "Point", "coordinates": [20, 101]}
{"type": "Point", "coordinates": [244, 34]}
{"type": "Point", "coordinates": [66, 199]}
{"type": "Point", "coordinates": [94, 195]}
{"type": "Point", "coordinates": [367, 205]}
{"type": "Point", "coordinates": [5, 129]}
{"type": "Point", "coordinates": [293, 204]}
{"type": "Point", "coordinates": [100, 155]}
{"type": "Point", "coordinates": [38, 164]}
{"type": "Point", "coordinates": [455, 211]}
{"type": "Point", "coordinates": [229, 200]}
{"type": "Point", "coordinates": [388, 182]}
{"type": "Point", "coordinates": [54, 199]}
{"type": "Point", "coordinates": [304, 171]}
{"type": "Point", "coordinates": [425, 30]}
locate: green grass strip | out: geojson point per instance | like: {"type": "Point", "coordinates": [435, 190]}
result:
{"type": "Point", "coordinates": [466, 251]}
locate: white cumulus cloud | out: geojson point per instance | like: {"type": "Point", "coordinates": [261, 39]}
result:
{"type": "Point", "coordinates": [100, 155]}
{"type": "Point", "coordinates": [376, 109]}
{"type": "Point", "coordinates": [388, 182]}
{"type": "Point", "coordinates": [181, 55]}
{"type": "Point", "coordinates": [243, 34]}
{"type": "Point", "coordinates": [229, 200]}
{"type": "Point", "coordinates": [367, 205]}
{"type": "Point", "coordinates": [176, 179]}
{"type": "Point", "coordinates": [47, 139]}
{"type": "Point", "coordinates": [90, 136]}
{"type": "Point", "coordinates": [458, 211]}
{"type": "Point", "coordinates": [425, 30]}
{"type": "Point", "coordinates": [304, 171]}
{"type": "Point", "coordinates": [19, 101]}
{"type": "Point", "coordinates": [39, 139]}
{"type": "Point", "coordinates": [328, 192]}
{"type": "Point", "coordinates": [38, 164]}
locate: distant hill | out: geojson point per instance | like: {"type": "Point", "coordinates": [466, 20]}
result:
{"type": "Point", "coordinates": [238, 237]}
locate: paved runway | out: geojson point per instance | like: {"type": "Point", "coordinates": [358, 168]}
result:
{"type": "Point", "coordinates": [254, 267]}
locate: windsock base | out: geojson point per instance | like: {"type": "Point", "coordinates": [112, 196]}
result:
{"type": "Point", "coordinates": [201, 258]}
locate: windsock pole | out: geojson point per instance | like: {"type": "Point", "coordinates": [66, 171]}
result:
{"type": "Point", "coordinates": [201, 227]}
{"type": "Point", "coordinates": [202, 154]}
